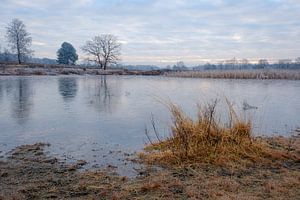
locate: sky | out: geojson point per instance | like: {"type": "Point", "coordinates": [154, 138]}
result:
{"type": "Point", "coordinates": [163, 32]}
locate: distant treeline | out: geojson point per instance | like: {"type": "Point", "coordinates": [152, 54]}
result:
{"type": "Point", "coordinates": [6, 56]}
{"type": "Point", "coordinates": [236, 64]}
{"type": "Point", "coordinates": [224, 66]}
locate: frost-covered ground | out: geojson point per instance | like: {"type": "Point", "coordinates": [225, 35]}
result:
{"type": "Point", "coordinates": [38, 69]}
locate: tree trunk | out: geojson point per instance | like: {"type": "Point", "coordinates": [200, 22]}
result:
{"type": "Point", "coordinates": [99, 61]}
{"type": "Point", "coordinates": [105, 64]}
{"type": "Point", "coordinates": [19, 58]}
{"type": "Point", "coordinates": [18, 50]}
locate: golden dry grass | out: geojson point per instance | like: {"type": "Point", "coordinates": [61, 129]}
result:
{"type": "Point", "coordinates": [208, 159]}
{"type": "Point", "coordinates": [207, 140]}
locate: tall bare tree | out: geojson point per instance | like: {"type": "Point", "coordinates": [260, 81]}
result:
{"type": "Point", "coordinates": [19, 39]}
{"type": "Point", "coordinates": [105, 50]}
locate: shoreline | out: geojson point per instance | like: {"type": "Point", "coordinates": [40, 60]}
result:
{"type": "Point", "coordinates": [31, 173]}
{"type": "Point", "coordinates": [55, 70]}
{"type": "Point", "coordinates": [27, 70]}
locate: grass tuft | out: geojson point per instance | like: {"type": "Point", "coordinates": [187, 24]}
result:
{"type": "Point", "coordinates": [207, 140]}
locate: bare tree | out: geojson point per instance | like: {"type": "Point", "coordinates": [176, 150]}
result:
{"type": "Point", "coordinates": [19, 39]}
{"type": "Point", "coordinates": [105, 49]}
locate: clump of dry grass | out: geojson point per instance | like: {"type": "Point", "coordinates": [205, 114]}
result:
{"type": "Point", "coordinates": [207, 140]}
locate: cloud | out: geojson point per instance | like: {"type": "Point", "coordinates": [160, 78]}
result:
{"type": "Point", "coordinates": [237, 37]}
{"type": "Point", "coordinates": [155, 31]}
{"type": "Point", "coordinates": [39, 43]}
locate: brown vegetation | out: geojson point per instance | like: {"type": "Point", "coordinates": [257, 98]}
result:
{"type": "Point", "coordinates": [214, 160]}
{"type": "Point", "coordinates": [239, 74]}
{"type": "Point", "coordinates": [207, 140]}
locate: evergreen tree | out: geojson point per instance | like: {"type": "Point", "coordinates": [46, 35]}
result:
{"type": "Point", "coordinates": [67, 54]}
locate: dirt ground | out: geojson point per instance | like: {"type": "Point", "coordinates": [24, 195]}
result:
{"type": "Point", "coordinates": [30, 173]}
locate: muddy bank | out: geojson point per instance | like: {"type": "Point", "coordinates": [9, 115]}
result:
{"type": "Point", "coordinates": [30, 173]}
{"type": "Point", "coordinates": [38, 69]}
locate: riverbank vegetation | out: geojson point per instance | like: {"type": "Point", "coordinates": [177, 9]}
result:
{"type": "Point", "coordinates": [216, 160]}
{"type": "Point", "coordinates": [239, 74]}
{"type": "Point", "coordinates": [207, 140]}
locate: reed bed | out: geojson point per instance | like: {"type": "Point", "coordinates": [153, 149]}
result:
{"type": "Point", "coordinates": [239, 74]}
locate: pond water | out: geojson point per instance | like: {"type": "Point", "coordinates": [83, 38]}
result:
{"type": "Point", "coordinates": [98, 118]}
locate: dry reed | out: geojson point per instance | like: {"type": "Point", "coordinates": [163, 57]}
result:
{"type": "Point", "coordinates": [239, 74]}
{"type": "Point", "coordinates": [207, 140]}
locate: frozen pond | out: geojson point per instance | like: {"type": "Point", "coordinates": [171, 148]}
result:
{"type": "Point", "coordinates": [95, 117]}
